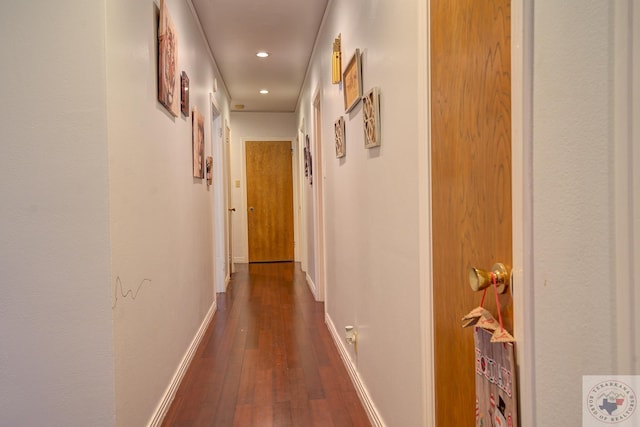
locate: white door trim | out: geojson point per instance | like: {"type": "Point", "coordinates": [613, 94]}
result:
{"type": "Point", "coordinates": [318, 183]}
{"type": "Point", "coordinates": [302, 204]}
{"type": "Point", "coordinates": [424, 213]}
{"type": "Point", "coordinates": [219, 206]}
{"type": "Point", "coordinates": [522, 203]}
{"type": "Point", "coordinates": [626, 106]}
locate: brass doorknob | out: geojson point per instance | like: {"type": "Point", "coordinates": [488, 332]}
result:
{"type": "Point", "coordinates": [481, 279]}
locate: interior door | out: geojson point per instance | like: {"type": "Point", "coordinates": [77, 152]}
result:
{"type": "Point", "coordinates": [471, 179]}
{"type": "Point", "coordinates": [269, 200]}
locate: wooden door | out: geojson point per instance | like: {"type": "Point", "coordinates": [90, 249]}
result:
{"type": "Point", "coordinates": [471, 179]}
{"type": "Point", "coordinates": [269, 200]}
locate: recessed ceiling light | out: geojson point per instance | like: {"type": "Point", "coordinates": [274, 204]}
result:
{"type": "Point", "coordinates": [262, 54]}
{"type": "Point", "coordinates": [264, 91]}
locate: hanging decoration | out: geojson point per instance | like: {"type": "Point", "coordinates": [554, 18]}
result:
{"type": "Point", "coordinates": [168, 79]}
{"type": "Point", "coordinates": [198, 143]}
{"type": "Point", "coordinates": [371, 117]}
{"type": "Point", "coordinates": [209, 170]}
{"type": "Point", "coordinates": [496, 400]}
{"type": "Point", "coordinates": [339, 127]}
{"type": "Point", "coordinates": [184, 94]}
{"type": "Point", "coordinates": [336, 61]}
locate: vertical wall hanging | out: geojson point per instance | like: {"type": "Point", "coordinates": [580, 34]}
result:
{"type": "Point", "coordinates": [336, 61]}
{"type": "Point", "coordinates": [209, 170]}
{"type": "Point", "coordinates": [198, 143]}
{"type": "Point", "coordinates": [371, 117]}
{"type": "Point", "coordinates": [168, 83]}
{"type": "Point", "coordinates": [308, 160]}
{"type": "Point", "coordinates": [340, 137]}
{"type": "Point", "coordinates": [496, 400]}
{"type": "Point", "coordinates": [184, 94]}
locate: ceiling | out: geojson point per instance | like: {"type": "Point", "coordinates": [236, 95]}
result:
{"type": "Point", "coordinates": [237, 29]}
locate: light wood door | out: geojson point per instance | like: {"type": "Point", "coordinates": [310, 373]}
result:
{"type": "Point", "coordinates": [471, 179]}
{"type": "Point", "coordinates": [269, 200]}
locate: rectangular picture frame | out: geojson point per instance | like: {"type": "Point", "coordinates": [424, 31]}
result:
{"type": "Point", "coordinates": [339, 129]}
{"type": "Point", "coordinates": [168, 79]}
{"type": "Point", "coordinates": [198, 144]}
{"type": "Point", "coordinates": [371, 118]}
{"type": "Point", "coordinates": [352, 80]}
{"type": "Point", "coordinates": [209, 170]}
{"type": "Point", "coordinates": [184, 94]}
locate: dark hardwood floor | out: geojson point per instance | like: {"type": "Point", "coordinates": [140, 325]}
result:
{"type": "Point", "coordinates": [267, 359]}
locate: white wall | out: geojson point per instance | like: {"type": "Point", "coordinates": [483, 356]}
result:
{"type": "Point", "coordinates": [371, 202]}
{"type": "Point", "coordinates": [251, 127]}
{"type": "Point", "coordinates": [161, 217]}
{"type": "Point", "coordinates": [573, 217]}
{"type": "Point", "coordinates": [56, 347]}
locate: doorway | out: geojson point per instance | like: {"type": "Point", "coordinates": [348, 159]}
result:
{"type": "Point", "coordinates": [269, 201]}
{"type": "Point", "coordinates": [470, 69]}
{"type": "Point", "coordinates": [318, 182]}
{"type": "Point", "coordinates": [221, 273]}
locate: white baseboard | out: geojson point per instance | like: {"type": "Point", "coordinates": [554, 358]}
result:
{"type": "Point", "coordinates": [226, 281]}
{"type": "Point", "coordinates": [170, 393]}
{"type": "Point", "coordinates": [312, 287]}
{"type": "Point", "coordinates": [240, 260]}
{"type": "Point", "coordinates": [363, 394]}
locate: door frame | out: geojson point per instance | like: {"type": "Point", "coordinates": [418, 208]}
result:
{"type": "Point", "coordinates": [220, 254]}
{"type": "Point", "coordinates": [522, 203]}
{"type": "Point", "coordinates": [300, 216]}
{"type": "Point", "coordinates": [626, 184]}
{"type": "Point", "coordinates": [522, 196]}
{"type": "Point", "coordinates": [318, 182]}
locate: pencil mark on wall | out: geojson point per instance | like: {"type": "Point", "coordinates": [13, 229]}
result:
{"type": "Point", "coordinates": [119, 291]}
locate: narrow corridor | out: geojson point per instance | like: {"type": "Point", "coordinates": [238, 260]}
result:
{"type": "Point", "coordinates": [267, 359]}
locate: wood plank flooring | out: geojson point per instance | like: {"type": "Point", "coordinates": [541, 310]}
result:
{"type": "Point", "coordinates": [267, 359]}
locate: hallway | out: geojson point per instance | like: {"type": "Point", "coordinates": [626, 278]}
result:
{"type": "Point", "coordinates": [267, 359]}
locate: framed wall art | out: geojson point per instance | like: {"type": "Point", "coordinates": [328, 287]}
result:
{"type": "Point", "coordinates": [198, 143]}
{"type": "Point", "coordinates": [308, 160]}
{"type": "Point", "coordinates": [184, 94]}
{"type": "Point", "coordinates": [168, 84]}
{"type": "Point", "coordinates": [338, 127]}
{"type": "Point", "coordinates": [352, 81]}
{"type": "Point", "coordinates": [336, 61]}
{"type": "Point", "coordinates": [209, 170]}
{"type": "Point", "coordinates": [371, 117]}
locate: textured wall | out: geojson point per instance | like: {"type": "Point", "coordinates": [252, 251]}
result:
{"type": "Point", "coordinates": [161, 217]}
{"type": "Point", "coordinates": [56, 347]}
{"type": "Point", "coordinates": [371, 201]}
